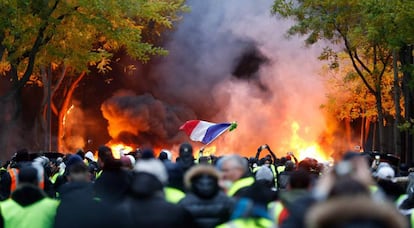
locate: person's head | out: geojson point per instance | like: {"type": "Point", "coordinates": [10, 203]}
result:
{"type": "Point", "coordinates": [154, 167]}
{"type": "Point", "coordinates": [384, 171]}
{"type": "Point", "coordinates": [202, 180]}
{"type": "Point", "coordinates": [147, 153]}
{"type": "Point", "coordinates": [233, 167]}
{"type": "Point", "coordinates": [299, 179]}
{"type": "Point", "coordinates": [104, 155]}
{"type": "Point", "coordinates": [89, 156]}
{"type": "Point", "coordinates": [73, 159]}
{"type": "Point", "coordinates": [128, 162]}
{"type": "Point", "coordinates": [348, 186]}
{"type": "Point", "coordinates": [289, 166]}
{"type": "Point", "coordinates": [22, 155]}
{"type": "Point", "coordinates": [186, 156]}
{"type": "Point", "coordinates": [163, 156]}
{"type": "Point", "coordinates": [78, 172]}
{"type": "Point", "coordinates": [283, 160]}
{"type": "Point", "coordinates": [205, 160]}
{"type": "Point", "coordinates": [265, 175]}
{"type": "Point", "coordinates": [186, 150]}
{"type": "Point", "coordinates": [81, 153]}
{"type": "Point", "coordinates": [28, 175]}
{"type": "Point", "coordinates": [269, 159]}
{"type": "Point", "coordinates": [54, 165]}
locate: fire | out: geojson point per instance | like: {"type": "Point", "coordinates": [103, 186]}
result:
{"type": "Point", "coordinates": [207, 151]}
{"type": "Point", "coordinates": [305, 149]}
{"type": "Point", "coordinates": [120, 149]}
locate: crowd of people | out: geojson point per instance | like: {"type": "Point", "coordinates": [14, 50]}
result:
{"type": "Point", "coordinates": [147, 189]}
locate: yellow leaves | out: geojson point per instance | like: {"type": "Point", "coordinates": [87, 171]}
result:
{"type": "Point", "coordinates": [35, 80]}
{"type": "Point", "coordinates": [103, 66]}
{"type": "Point", "coordinates": [130, 69]}
{"type": "Point", "coordinates": [4, 67]}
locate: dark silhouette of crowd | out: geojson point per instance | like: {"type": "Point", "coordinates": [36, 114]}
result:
{"type": "Point", "coordinates": [152, 189]}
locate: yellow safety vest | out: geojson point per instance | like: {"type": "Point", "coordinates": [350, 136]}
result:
{"type": "Point", "coordinates": [281, 168]}
{"type": "Point", "coordinates": [239, 184]}
{"type": "Point", "coordinates": [40, 214]}
{"type": "Point", "coordinates": [173, 195]}
{"type": "Point", "coordinates": [412, 219]}
{"type": "Point", "coordinates": [98, 174]}
{"type": "Point", "coordinates": [247, 222]}
{"type": "Point", "coordinates": [275, 208]}
{"type": "Point", "coordinates": [14, 174]}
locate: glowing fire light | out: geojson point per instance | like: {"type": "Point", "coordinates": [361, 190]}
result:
{"type": "Point", "coordinates": [66, 114]}
{"type": "Point", "coordinates": [120, 149]}
{"type": "Point", "coordinates": [211, 150]}
{"type": "Point", "coordinates": [305, 149]}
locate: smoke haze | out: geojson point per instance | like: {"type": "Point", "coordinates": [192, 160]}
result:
{"type": "Point", "coordinates": [229, 61]}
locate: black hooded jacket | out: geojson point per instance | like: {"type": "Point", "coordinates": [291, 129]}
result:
{"type": "Point", "coordinates": [145, 206]}
{"type": "Point", "coordinates": [78, 208]}
{"type": "Point", "coordinates": [208, 205]}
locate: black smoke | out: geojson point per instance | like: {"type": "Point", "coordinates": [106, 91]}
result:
{"type": "Point", "coordinates": [143, 120]}
{"type": "Point", "coordinates": [228, 61]}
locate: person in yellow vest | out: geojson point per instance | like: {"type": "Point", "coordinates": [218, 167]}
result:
{"type": "Point", "coordinates": [8, 180]}
{"type": "Point", "coordinates": [250, 209]}
{"type": "Point", "coordinates": [174, 190]}
{"type": "Point", "coordinates": [28, 206]}
{"type": "Point", "coordinates": [235, 175]}
{"type": "Point", "coordinates": [299, 186]}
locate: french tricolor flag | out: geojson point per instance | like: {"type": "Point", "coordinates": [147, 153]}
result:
{"type": "Point", "coordinates": [205, 132]}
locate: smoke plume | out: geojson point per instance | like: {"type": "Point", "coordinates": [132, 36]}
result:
{"type": "Point", "coordinates": [229, 61]}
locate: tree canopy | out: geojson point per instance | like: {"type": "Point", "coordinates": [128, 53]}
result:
{"type": "Point", "coordinates": [78, 33]}
{"type": "Point", "coordinates": [370, 32]}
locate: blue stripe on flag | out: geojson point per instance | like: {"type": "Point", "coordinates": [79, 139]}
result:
{"type": "Point", "coordinates": [214, 131]}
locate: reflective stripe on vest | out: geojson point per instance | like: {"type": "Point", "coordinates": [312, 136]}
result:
{"type": "Point", "coordinates": [239, 184]}
{"type": "Point", "coordinates": [54, 177]}
{"type": "Point", "coordinates": [247, 222]}
{"type": "Point", "coordinates": [14, 178]}
{"type": "Point", "coordinates": [281, 168]}
{"type": "Point", "coordinates": [275, 209]}
{"type": "Point", "coordinates": [401, 199]}
{"type": "Point", "coordinates": [412, 219]}
{"type": "Point", "coordinates": [98, 174]}
{"type": "Point", "coordinates": [40, 214]}
{"type": "Point", "coordinates": [373, 188]}
{"type": "Point", "coordinates": [173, 195]}
{"type": "Point", "coordinates": [14, 173]}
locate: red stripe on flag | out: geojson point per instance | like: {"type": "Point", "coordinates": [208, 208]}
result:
{"type": "Point", "coordinates": [189, 126]}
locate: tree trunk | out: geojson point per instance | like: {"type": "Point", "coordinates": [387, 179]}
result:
{"type": "Point", "coordinates": [406, 60]}
{"type": "Point", "coordinates": [397, 97]}
{"type": "Point", "coordinates": [381, 129]}
{"type": "Point", "coordinates": [10, 138]}
{"type": "Point", "coordinates": [63, 111]}
{"type": "Point", "coordinates": [362, 137]}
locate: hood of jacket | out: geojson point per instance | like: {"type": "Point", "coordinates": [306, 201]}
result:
{"type": "Point", "coordinates": [202, 180]}
{"type": "Point", "coordinates": [27, 194]}
{"type": "Point", "coordinates": [356, 210]}
{"type": "Point", "coordinates": [145, 185]}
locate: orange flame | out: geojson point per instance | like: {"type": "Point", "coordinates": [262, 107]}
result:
{"type": "Point", "coordinates": [210, 150]}
{"type": "Point", "coordinates": [119, 149]}
{"type": "Point", "coordinates": [306, 149]}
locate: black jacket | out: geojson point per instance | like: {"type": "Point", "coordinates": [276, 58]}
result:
{"type": "Point", "coordinates": [78, 208]}
{"type": "Point", "coordinates": [145, 206]}
{"type": "Point", "coordinates": [208, 212]}
{"type": "Point", "coordinates": [112, 186]}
